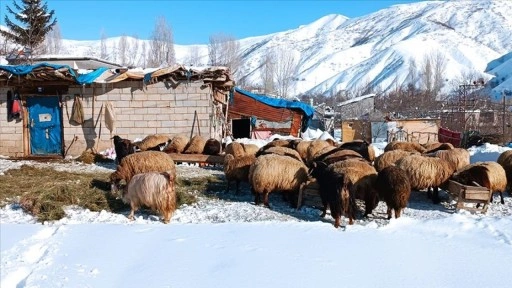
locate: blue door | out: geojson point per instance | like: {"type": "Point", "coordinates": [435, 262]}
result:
{"type": "Point", "coordinates": [44, 125]}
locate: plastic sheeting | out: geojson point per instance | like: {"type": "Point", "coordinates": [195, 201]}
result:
{"type": "Point", "coordinates": [87, 78]}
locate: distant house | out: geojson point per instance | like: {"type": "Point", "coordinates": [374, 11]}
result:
{"type": "Point", "coordinates": [128, 103]}
{"type": "Point", "coordinates": [259, 116]}
{"type": "Point", "coordinates": [357, 107]}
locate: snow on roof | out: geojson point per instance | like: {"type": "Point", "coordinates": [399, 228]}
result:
{"type": "Point", "coordinates": [356, 99]}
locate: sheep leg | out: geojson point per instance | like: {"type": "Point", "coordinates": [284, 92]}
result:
{"type": "Point", "coordinates": [389, 213]}
{"type": "Point", "coordinates": [237, 187]}
{"type": "Point", "coordinates": [265, 200]}
{"type": "Point", "coordinates": [501, 196]}
{"type": "Point", "coordinates": [337, 221]}
{"type": "Point", "coordinates": [435, 196]}
{"type": "Point", "coordinates": [256, 197]}
{"type": "Point", "coordinates": [429, 193]}
{"type": "Point", "coordinates": [227, 186]}
{"type": "Point", "coordinates": [132, 212]}
{"type": "Point", "coordinates": [324, 210]}
{"type": "Point", "coordinates": [398, 211]}
{"type": "Point", "coordinates": [167, 217]}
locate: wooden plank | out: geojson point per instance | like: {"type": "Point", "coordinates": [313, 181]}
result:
{"type": "Point", "coordinates": [197, 158]}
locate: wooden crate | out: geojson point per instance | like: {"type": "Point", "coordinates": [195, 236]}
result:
{"type": "Point", "coordinates": [197, 158]}
{"type": "Point", "coordinates": [465, 194]}
{"type": "Point", "coordinates": [309, 195]}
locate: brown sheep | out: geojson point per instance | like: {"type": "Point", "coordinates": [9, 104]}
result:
{"type": "Point", "coordinates": [505, 160]}
{"type": "Point", "coordinates": [460, 157]}
{"type": "Point", "coordinates": [314, 147]}
{"type": "Point", "coordinates": [177, 145]}
{"type": "Point", "coordinates": [436, 146]}
{"type": "Point", "coordinates": [196, 145]}
{"type": "Point", "coordinates": [250, 149]}
{"type": "Point", "coordinates": [394, 188]}
{"type": "Point", "coordinates": [488, 174]}
{"type": "Point", "coordinates": [142, 162]}
{"type": "Point", "coordinates": [360, 146]}
{"type": "Point", "coordinates": [362, 177]}
{"type": "Point", "coordinates": [390, 158]}
{"type": "Point", "coordinates": [280, 150]}
{"type": "Point", "coordinates": [154, 190]}
{"type": "Point", "coordinates": [406, 146]}
{"type": "Point", "coordinates": [235, 148]}
{"type": "Point", "coordinates": [302, 148]}
{"type": "Point", "coordinates": [339, 155]}
{"type": "Point", "coordinates": [152, 141]}
{"type": "Point", "coordinates": [335, 192]}
{"type": "Point", "coordinates": [237, 169]}
{"type": "Point", "coordinates": [427, 172]}
{"type": "Point", "coordinates": [272, 172]}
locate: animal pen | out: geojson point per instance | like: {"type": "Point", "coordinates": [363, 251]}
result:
{"type": "Point", "coordinates": [62, 112]}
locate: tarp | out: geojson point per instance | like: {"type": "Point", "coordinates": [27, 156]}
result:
{"type": "Point", "coordinates": [22, 70]}
{"type": "Point", "coordinates": [448, 136]}
{"type": "Point", "coordinates": [281, 103]}
{"type": "Point", "coordinates": [91, 76]}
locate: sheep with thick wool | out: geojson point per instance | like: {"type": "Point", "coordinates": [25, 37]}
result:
{"type": "Point", "coordinates": [390, 158]}
{"type": "Point", "coordinates": [280, 150]}
{"type": "Point", "coordinates": [142, 162]}
{"type": "Point", "coordinates": [237, 169]}
{"type": "Point", "coordinates": [152, 141]}
{"type": "Point", "coordinates": [212, 147]}
{"type": "Point", "coordinates": [196, 145]}
{"type": "Point", "coordinates": [271, 173]}
{"type": "Point", "coordinates": [488, 174]}
{"type": "Point", "coordinates": [362, 178]}
{"type": "Point", "coordinates": [335, 192]}
{"type": "Point", "coordinates": [394, 188]}
{"type": "Point", "coordinates": [436, 146]}
{"type": "Point", "coordinates": [177, 145]}
{"type": "Point", "coordinates": [235, 148]}
{"type": "Point", "coordinates": [338, 155]}
{"type": "Point", "coordinates": [302, 148]}
{"type": "Point", "coordinates": [314, 147]}
{"type": "Point", "coordinates": [460, 157]}
{"type": "Point", "coordinates": [427, 172]}
{"type": "Point", "coordinates": [154, 190]}
{"type": "Point", "coordinates": [505, 160]}
{"type": "Point", "coordinates": [360, 146]}
{"type": "Point", "coordinates": [406, 146]}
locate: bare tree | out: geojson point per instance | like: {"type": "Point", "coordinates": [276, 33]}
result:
{"type": "Point", "coordinates": [285, 69]}
{"type": "Point", "coordinates": [103, 45]}
{"type": "Point", "coordinates": [194, 59]}
{"type": "Point", "coordinates": [439, 63]}
{"type": "Point", "coordinates": [267, 72]}
{"type": "Point", "coordinates": [142, 60]}
{"type": "Point", "coordinates": [412, 75]}
{"type": "Point", "coordinates": [427, 73]}
{"type": "Point", "coordinates": [123, 49]}
{"type": "Point", "coordinates": [162, 45]}
{"type": "Point", "coordinates": [224, 50]}
{"type": "Point", "coordinates": [133, 51]}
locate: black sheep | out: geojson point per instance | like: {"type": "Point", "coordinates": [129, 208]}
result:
{"type": "Point", "coordinates": [211, 147]}
{"type": "Point", "coordinates": [123, 147]}
{"type": "Point", "coordinates": [335, 191]}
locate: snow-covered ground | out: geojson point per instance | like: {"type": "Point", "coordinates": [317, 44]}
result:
{"type": "Point", "coordinates": [226, 241]}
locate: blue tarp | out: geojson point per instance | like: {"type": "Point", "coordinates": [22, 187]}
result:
{"type": "Point", "coordinates": [308, 110]}
{"type": "Point", "coordinates": [79, 78]}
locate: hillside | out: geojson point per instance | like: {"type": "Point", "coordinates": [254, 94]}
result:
{"type": "Point", "coordinates": [338, 53]}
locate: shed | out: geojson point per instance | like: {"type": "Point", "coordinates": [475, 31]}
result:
{"type": "Point", "coordinates": [258, 116]}
{"type": "Point", "coordinates": [173, 100]}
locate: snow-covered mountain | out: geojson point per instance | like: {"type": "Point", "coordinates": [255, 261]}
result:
{"type": "Point", "coordinates": [337, 53]}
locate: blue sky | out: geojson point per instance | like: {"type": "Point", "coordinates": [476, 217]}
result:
{"type": "Point", "coordinates": [194, 21]}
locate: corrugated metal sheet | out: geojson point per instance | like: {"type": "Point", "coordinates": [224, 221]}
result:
{"type": "Point", "coordinates": [243, 106]}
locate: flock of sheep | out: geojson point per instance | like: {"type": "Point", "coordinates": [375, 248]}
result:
{"type": "Point", "coordinates": [344, 172]}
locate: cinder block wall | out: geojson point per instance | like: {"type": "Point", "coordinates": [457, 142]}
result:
{"type": "Point", "coordinates": [154, 109]}
{"type": "Point", "coordinates": [11, 133]}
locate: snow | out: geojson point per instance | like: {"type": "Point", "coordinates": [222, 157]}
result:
{"type": "Point", "coordinates": [226, 241]}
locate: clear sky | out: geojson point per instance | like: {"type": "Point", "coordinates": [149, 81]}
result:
{"type": "Point", "coordinates": [193, 21]}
